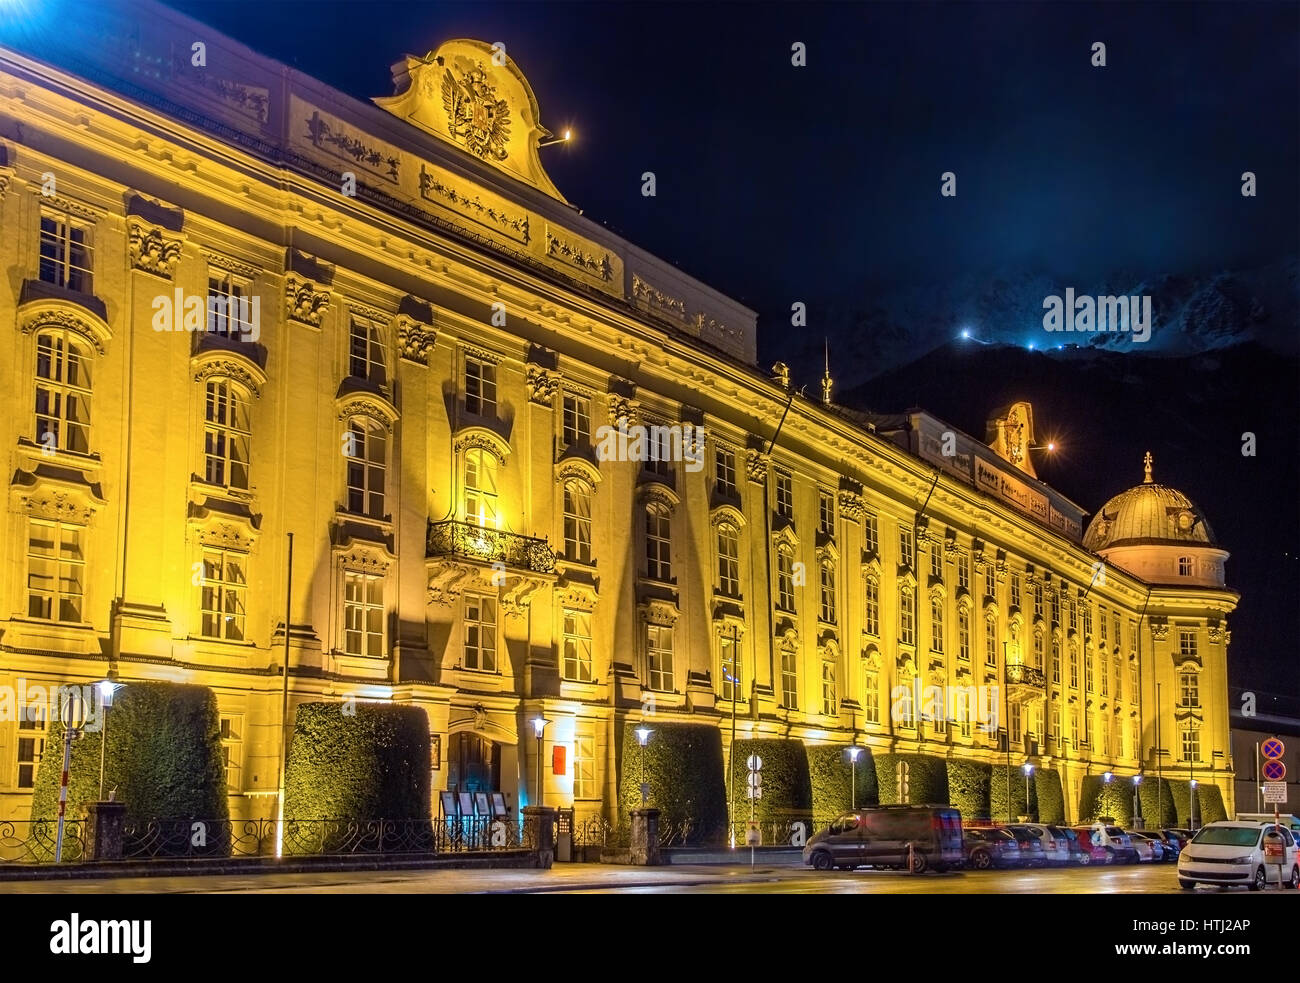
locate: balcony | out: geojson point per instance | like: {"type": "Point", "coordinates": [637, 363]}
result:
{"type": "Point", "coordinates": [472, 542]}
{"type": "Point", "coordinates": [1025, 684]}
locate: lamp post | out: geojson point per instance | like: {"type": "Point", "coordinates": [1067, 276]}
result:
{"type": "Point", "coordinates": [1137, 799]}
{"type": "Point", "coordinates": [106, 688]}
{"type": "Point", "coordinates": [539, 725]}
{"type": "Point", "coordinates": [643, 738]}
{"type": "Point", "coordinates": [1028, 769]}
{"type": "Point", "coordinates": [853, 772]}
{"type": "Point", "coordinates": [1191, 805]}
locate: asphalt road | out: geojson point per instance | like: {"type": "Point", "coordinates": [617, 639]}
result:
{"type": "Point", "coordinates": [607, 879]}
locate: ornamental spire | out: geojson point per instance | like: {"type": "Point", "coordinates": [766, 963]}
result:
{"type": "Point", "coordinates": [826, 377]}
{"type": "Point", "coordinates": [1146, 469]}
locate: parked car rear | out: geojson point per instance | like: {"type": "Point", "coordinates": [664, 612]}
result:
{"type": "Point", "coordinates": [991, 846]}
{"type": "Point", "coordinates": [1115, 844]}
{"type": "Point", "coordinates": [1056, 849]}
{"type": "Point", "coordinates": [1173, 843]}
{"type": "Point", "coordinates": [890, 836]}
{"type": "Point", "coordinates": [1032, 853]}
{"type": "Point", "coordinates": [1149, 849]}
{"type": "Point", "coordinates": [1080, 848]}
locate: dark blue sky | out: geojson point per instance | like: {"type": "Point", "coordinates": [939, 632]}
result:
{"type": "Point", "coordinates": [821, 183]}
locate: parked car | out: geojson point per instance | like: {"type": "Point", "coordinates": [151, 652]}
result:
{"type": "Point", "coordinates": [1149, 849]}
{"type": "Point", "coordinates": [1080, 850]}
{"type": "Point", "coordinates": [1173, 843]}
{"type": "Point", "coordinates": [1228, 852]}
{"type": "Point", "coordinates": [1032, 853]}
{"type": "Point", "coordinates": [990, 846]}
{"type": "Point", "coordinates": [1056, 849]}
{"type": "Point", "coordinates": [887, 836]}
{"type": "Point", "coordinates": [1112, 843]}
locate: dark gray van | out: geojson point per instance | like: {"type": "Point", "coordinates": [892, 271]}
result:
{"type": "Point", "coordinates": [883, 837]}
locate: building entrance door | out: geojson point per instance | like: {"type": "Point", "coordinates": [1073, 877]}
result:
{"type": "Point", "coordinates": [473, 763]}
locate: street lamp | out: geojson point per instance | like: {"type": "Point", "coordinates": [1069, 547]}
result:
{"type": "Point", "coordinates": [643, 738]}
{"type": "Point", "coordinates": [539, 725]}
{"type": "Point", "coordinates": [1137, 799]}
{"type": "Point", "coordinates": [106, 688]}
{"type": "Point", "coordinates": [1107, 777]}
{"type": "Point", "coordinates": [853, 771]}
{"type": "Point", "coordinates": [1028, 769]}
{"type": "Point", "coordinates": [1191, 804]}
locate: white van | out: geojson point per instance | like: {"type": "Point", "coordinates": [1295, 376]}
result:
{"type": "Point", "coordinates": [1233, 853]}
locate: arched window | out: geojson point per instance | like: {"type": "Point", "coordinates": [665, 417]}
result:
{"type": "Point", "coordinates": [366, 452]}
{"type": "Point", "coordinates": [658, 544]}
{"type": "Point", "coordinates": [577, 522]}
{"type": "Point", "coordinates": [728, 560]}
{"type": "Point", "coordinates": [226, 434]}
{"type": "Point", "coordinates": [62, 392]}
{"type": "Point", "coordinates": [936, 623]}
{"type": "Point", "coordinates": [785, 580]}
{"type": "Point", "coordinates": [963, 633]}
{"type": "Point", "coordinates": [481, 504]}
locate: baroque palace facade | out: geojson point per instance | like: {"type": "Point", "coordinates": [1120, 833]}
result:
{"type": "Point", "coordinates": [416, 345]}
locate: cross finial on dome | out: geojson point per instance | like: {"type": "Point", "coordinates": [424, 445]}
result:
{"type": "Point", "coordinates": [1146, 469]}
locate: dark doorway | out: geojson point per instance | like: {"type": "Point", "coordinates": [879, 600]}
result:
{"type": "Point", "coordinates": [473, 763]}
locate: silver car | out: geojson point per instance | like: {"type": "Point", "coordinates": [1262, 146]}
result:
{"type": "Point", "coordinates": [1235, 853]}
{"type": "Point", "coordinates": [1056, 849]}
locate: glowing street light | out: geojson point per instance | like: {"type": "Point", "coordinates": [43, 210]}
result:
{"type": "Point", "coordinates": [539, 725]}
{"type": "Point", "coordinates": [643, 738]}
{"type": "Point", "coordinates": [1028, 769]}
{"type": "Point", "coordinates": [853, 771]}
{"type": "Point", "coordinates": [106, 689]}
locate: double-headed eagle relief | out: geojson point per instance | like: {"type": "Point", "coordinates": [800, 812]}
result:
{"type": "Point", "coordinates": [474, 113]}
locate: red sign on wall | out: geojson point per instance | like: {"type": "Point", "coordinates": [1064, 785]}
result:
{"type": "Point", "coordinates": [558, 759]}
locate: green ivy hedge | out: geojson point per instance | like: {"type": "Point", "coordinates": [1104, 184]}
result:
{"type": "Point", "coordinates": [832, 777]}
{"type": "Point", "coordinates": [358, 761]}
{"type": "Point", "coordinates": [1050, 796]}
{"type": "Point", "coordinates": [1115, 799]}
{"type": "Point", "coordinates": [787, 787]}
{"type": "Point", "coordinates": [968, 788]}
{"type": "Point", "coordinates": [682, 764]}
{"type": "Point", "coordinates": [1209, 804]}
{"type": "Point", "coordinates": [1157, 790]}
{"type": "Point", "coordinates": [162, 756]}
{"type": "Point", "coordinates": [928, 779]}
{"type": "Point", "coordinates": [1004, 780]}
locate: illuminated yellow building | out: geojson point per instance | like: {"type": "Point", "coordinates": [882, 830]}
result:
{"type": "Point", "coordinates": [241, 305]}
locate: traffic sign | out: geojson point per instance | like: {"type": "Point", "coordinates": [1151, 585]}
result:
{"type": "Point", "coordinates": [755, 763]}
{"type": "Point", "coordinates": [1275, 792]}
{"type": "Point", "coordinates": [1272, 748]}
{"type": "Point", "coordinates": [1273, 771]}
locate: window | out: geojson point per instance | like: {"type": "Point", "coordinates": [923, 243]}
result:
{"type": "Point", "coordinates": [827, 612]}
{"type": "Point", "coordinates": [963, 710]}
{"type": "Point", "coordinates": [1119, 677]}
{"type": "Point", "coordinates": [1114, 630]}
{"type": "Point", "coordinates": [65, 251]}
{"type": "Point", "coordinates": [1105, 736]}
{"type": "Point", "coordinates": [1104, 659]}
{"type": "Point", "coordinates": [1038, 600]}
{"type": "Point", "coordinates": [963, 634]}
{"type": "Point", "coordinates": [870, 533]}
{"type": "Point", "coordinates": [659, 450]}
{"type": "Point", "coordinates": [31, 744]}
{"type": "Point", "coordinates": [724, 471]}
{"type": "Point", "coordinates": [62, 392]}
{"type": "Point", "coordinates": [658, 547]}
{"type": "Point", "coordinates": [1087, 620]}
{"type": "Point", "coordinates": [905, 557]}
{"type": "Point", "coordinates": [480, 632]}
{"type": "Point", "coordinates": [224, 594]}
{"type": "Point", "coordinates": [577, 646]}
{"type": "Point", "coordinates": [936, 561]}
{"type": "Point", "coordinates": [1038, 650]}
{"type": "Point", "coordinates": [871, 618]}
{"type": "Point", "coordinates": [963, 573]}
{"type": "Point", "coordinates": [728, 560]}
{"type": "Point", "coordinates": [1056, 607]}
{"type": "Point", "coordinates": [1013, 719]}
{"type": "Point", "coordinates": [659, 657]}
{"type": "Point", "coordinates": [481, 489]}
{"type": "Point", "coordinates": [1184, 566]}
{"type": "Point", "coordinates": [1056, 661]}
{"type": "Point", "coordinates": [828, 688]}
{"type": "Point", "coordinates": [1191, 744]}
{"type": "Point", "coordinates": [1074, 726]}
{"type": "Point", "coordinates": [1087, 670]}
{"type": "Point", "coordinates": [936, 624]}
{"type": "Point", "coordinates": [784, 495]}
{"type": "Point", "coordinates": [366, 453]}
{"type": "Point", "coordinates": [1189, 689]}
{"type": "Point", "coordinates": [730, 662]}
{"type": "Point", "coordinates": [56, 564]}
{"type": "Point", "coordinates": [576, 426]}
{"type": "Point", "coordinates": [226, 435]}
{"type": "Point", "coordinates": [1074, 665]}
{"type": "Point", "coordinates": [826, 513]}
{"type": "Point", "coordinates": [1015, 590]}
{"type": "Point", "coordinates": [990, 642]}
{"type": "Point", "coordinates": [1102, 623]}
{"type": "Point", "coordinates": [906, 617]}
{"type": "Point", "coordinates": [232, 748]}
{"type": "Point", "coordinates": [584, 768]}
{"type": "Point", "coordinates": [871, 697]}
{"type": "Point", "coordinates": [577, 522]}
{"type": "Point", "coordinates": [904, 709]}
{"type": "Point", "coordinates": [785, 581]}
{"type": "Point", "coordinates": [366, 352]}
{"type": "Point", "coordinates": [789, 678]}
{"type": "Point", "coordinates": [1187, 643]}
{"type": "Point", "coordinates": [363, 614]}
{"type": "Point", "coordinates": [229, 311]}
{"type": "Point", "coordinates": [1133, 680]}
{"type": "Point", "coordinates": [480, 387]}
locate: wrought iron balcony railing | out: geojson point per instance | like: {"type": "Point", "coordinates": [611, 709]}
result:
{"type": "Point", "coordinates": [473, 542]}
{"type": "Point", "coordinates": [1025, 676]}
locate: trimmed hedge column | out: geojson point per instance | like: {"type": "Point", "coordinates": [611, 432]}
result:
{"type": "Point", "coordinates": [1209, 804]}
{"type": "Point", "coordinates": [682, 764]}
{"type": "Point", "coordinates": [968, 787]}
{"type": "Point", "coordinates": [829, 771]}
{"type": "Point", "coordinates": [372, 762]}
{"type": "Point", "coordinates": [787, 787]}
{"type": "Point", "coordinates": [1051, 796]}
{"type": "Point", "coordinates": [1151, 791]}
{"type": "Point", "coordinates": [927, 779]}
{"type": "Point", "coordinates": [1002, 780]}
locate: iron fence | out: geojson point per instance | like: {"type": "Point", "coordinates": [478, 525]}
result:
{"type": "Point", "coordinates": [32, 841]}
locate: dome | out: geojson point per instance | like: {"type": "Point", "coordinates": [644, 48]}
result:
{"type": "Point", "coordinates": [1148, 514]}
